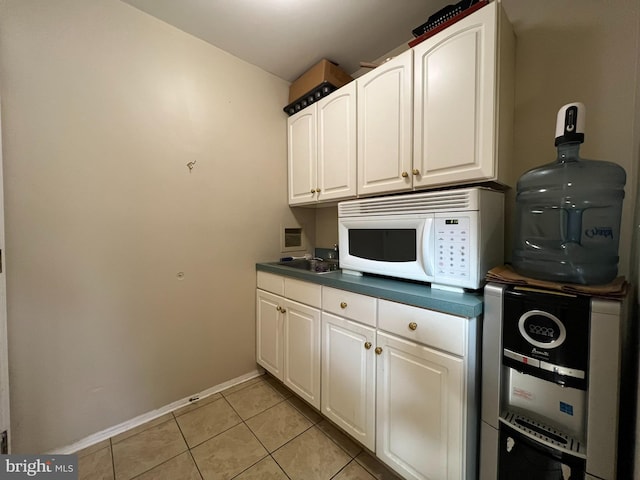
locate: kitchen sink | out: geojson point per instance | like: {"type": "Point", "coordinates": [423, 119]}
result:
{"type": "Point", "coordinates": [315, 266]}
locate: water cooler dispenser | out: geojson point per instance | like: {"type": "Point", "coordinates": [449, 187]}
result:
{"type": "Point", "coordinates": [551, 385]}
{"type": "Point", "coordinates": [568, 212]}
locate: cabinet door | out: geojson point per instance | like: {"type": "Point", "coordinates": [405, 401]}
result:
{"type": "Point", "coordinates": [420, 410]}
{"type": "Point", "coordinates": [348, 377]}
{"type": "Point", "coordinates": [269, 332]}
{"type": "Point", "coordinates": [454, 102]}
{"type": "Point", "coordinates": [302, 156]}
{"type": "Point", "coordinates": [301, 348]}
{"type": "Point", "coordinates": [384, 127]}
{"type": "Point", "coordinates": [337, 144]}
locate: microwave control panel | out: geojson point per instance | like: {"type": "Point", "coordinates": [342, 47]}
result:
{"type": "Point", "coordinates": [452, 247]}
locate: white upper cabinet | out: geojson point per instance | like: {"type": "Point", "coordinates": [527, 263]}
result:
{"type": "Point", "coordinates": [302, 156]}
{"type": "Point", "coordinates": [322, 149]}
{"type": "Point", "coordinates": [436, 115]}
{"type": "Point", "coordinates": [457, 82]}
{"type": "Point", "coordinates": [337, 145]}
{"type": "Point", "coordinates": [384, 127]}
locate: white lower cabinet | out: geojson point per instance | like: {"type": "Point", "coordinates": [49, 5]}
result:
{"type": "Point", "coordinates": [349, 377]}
{"type": "Point", "coordinates": [269, 332]}
{"type": "Point", "coordinates": [288, 333]}
{"type": "Point", "coordinates": [399, 379]}
{"type": "Point", "coordinates": [301, 351]}
{"type": "Point", "coordinates": [419, 431]}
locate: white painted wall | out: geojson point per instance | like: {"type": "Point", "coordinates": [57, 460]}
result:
{"type": "Point", "coordinates": [102, 107]}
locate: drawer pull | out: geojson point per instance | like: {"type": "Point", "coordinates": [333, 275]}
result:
{"type": "Point", "coordinates": [367, 345]}
{"type": "Point", "coordinates": [343, 304]}
{"type": "Point", "coordinates": [413, 326]}
{"type": "Point", "coordinates": [378, 350]}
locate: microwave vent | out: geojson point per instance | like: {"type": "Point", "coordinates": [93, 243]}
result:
{"type": "Point", "coordinates": [432, 202]}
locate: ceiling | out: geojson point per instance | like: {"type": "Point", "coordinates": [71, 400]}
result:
{"type": "Point", "coordinates": [286, 37]}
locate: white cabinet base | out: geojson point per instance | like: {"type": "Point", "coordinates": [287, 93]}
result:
{"type": "Point", "coordinates": [420, 410]}
{"type": "Point", "coordinates": [301, 345]}
{"type": "Point", "coordinates": [268, 328]}
{"type": "Point", "coordinates": [408, 393]}
{"type": "Point", "coordinates": [348, 377]}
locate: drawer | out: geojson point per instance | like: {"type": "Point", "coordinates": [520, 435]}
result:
{"type": "Point", "coordinates": [353, 306]}
{"type": "Point", "coordinates": [440, 330]}
{"type": "Point", "coordinates": [303, 292]}
{"type": "Point", "coordinates": [270, 282]}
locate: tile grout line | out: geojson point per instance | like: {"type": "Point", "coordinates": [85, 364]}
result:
{"type": "Point", "coordinates": [175, 419]}
{"type": "Point", "coordinates": [310, 416]}
{"type": "Point", "coordinates": [335, 442]}
{"type": "Point", "coordinates": [280, 467]}
{"type": "Point", "coordinates": [113, 460]}
{"type": "Point", "coordinates": [370, 471]}
{"type": "Point", "coordinates": [164, 461]}
{"type": "Point", "coordinates": [338, 472]}
{"type": "Point", "coordinates": [254, 381]}
{"type": "Point", "coordinates": [243, 421]}
{"type": "Point", "coordinates": [270, 454]}
{"type": "Point", "coordinates": [352, 458]}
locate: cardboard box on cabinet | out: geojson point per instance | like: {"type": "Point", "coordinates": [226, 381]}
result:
{"type": "Point", "coordinates": [321, 72]}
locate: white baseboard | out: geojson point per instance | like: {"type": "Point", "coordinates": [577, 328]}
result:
{"type": "Point", "coordinates": [147, 417]}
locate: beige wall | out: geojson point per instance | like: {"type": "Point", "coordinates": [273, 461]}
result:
{"type": "Point", "coordinates": [102, 108]}
{"type": "Point", "coordinates": [327, 227]}
{"type": "Point", "coordinates": [577, 50]}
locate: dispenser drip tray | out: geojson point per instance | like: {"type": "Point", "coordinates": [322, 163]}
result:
{"type": "Point", "coordinates": [544, 434]}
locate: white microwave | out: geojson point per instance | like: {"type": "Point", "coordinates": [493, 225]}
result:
{"type": "Point", "coordinates": [448, 238]}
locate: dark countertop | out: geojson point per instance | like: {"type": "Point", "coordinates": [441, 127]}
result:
{"type": "Point", "coordinates": [462, 304]}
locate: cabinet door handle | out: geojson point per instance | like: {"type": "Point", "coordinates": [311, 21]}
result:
{"type": "Point", "coordinates": [367, 345]}
{"type": "Point", "coordinates": [313, 190]}
{"type": "Point", "coordinates": [317, 190]}
{"type": "Point", "coordinates": [343, 305]}
{"type": "Point", "coordinates": [413, 326]}
{"type": "Point", "coordinates": [279, 308]}
{"type": "Point", "coordinates": [378, 350]}
{"type": "Point", "coordinates": [416, 171]}
{"type": "Point", "coordinates": [405, 174]}
{"type": "Point", "coordinates": [283, 310]}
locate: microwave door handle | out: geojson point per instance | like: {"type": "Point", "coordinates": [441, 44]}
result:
{"type": "Point", "coordinates": [428, 245]}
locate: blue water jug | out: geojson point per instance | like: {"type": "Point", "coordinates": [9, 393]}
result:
{"type": "Point", "coordinates": [568, 212]}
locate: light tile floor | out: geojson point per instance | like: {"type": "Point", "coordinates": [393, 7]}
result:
{"type": "Point", "coordinates": [256, 430]}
